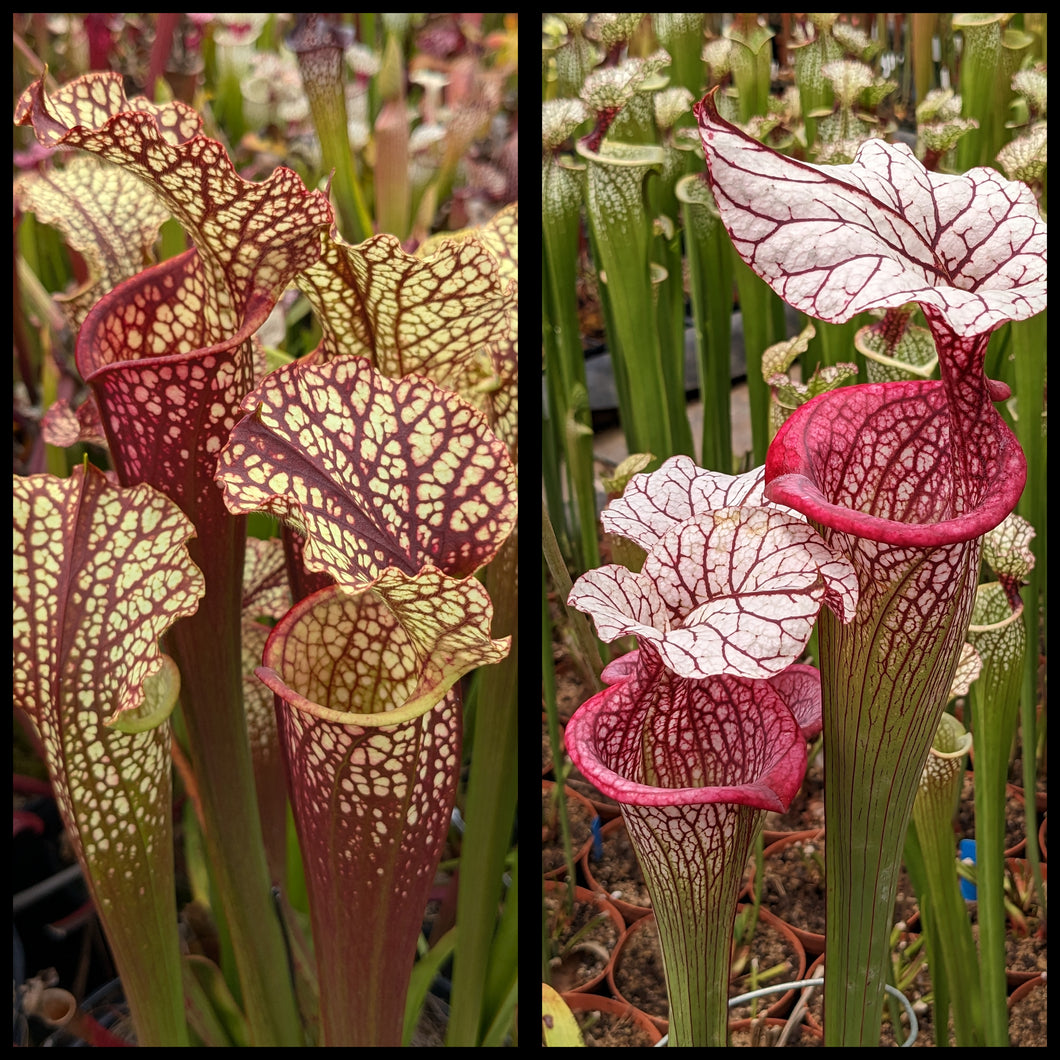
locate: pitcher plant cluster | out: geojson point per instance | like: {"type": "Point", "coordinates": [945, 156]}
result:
{"type": "Point", "coordinates": [322, 672]}
{"type": "Point", "coordinates": [882, 556]}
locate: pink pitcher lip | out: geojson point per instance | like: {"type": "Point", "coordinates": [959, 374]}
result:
{"type": "Point", "coordinates": [580, 739]}
{"type": "Point", "coordinates": [791, 480]}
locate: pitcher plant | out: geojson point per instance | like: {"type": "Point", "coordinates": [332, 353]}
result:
{"type": "Point", "coordinates": [703, 729]}
{"type": "Point", "coordinates": [388, 454]}
{"type": "Point", "coordinates": [902, 478]}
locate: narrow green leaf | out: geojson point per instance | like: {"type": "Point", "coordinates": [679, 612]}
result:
{"type": "Point", "coordinates": [423, 974]}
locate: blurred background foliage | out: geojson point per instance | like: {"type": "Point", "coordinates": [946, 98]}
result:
{"type": "Point", "coordinates": [430, 107]}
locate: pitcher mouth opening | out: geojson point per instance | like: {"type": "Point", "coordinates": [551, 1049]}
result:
{"type": "Point", "coordinates": [102, 346]}
{"type": "Point", "coordinates": [814, 469]}
{"type": "Point", "coordinates": [769, 784]}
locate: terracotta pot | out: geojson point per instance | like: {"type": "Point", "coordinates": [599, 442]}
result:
{"type": "Point", "coordinates": [806, 811]}
{"type": "Point", "coordinates": [651, 971]}
{"type": "Point", "coordinates": [605, 806]}
{"type": "Point", "coordinates": [767, 1031]}
{"type": "Point", "coordinates": [812, 940]}
{"type": "Point", "coordinates": [580, 813]}
{"type": "Point", "coordinates": [776, 895]}
{"type": "Point", "coordinates": [812, 1016]}
{"type": "Point", "coordinates": [1016, 795]}
{"type": "Point", "coordinates": [1025, 989]}
{"type": "Point", "coordinates": [774, 1005]}
{"type": "Point", "coordinates": [614, 1011]}
{"type": "Point", "coordinates": [771, 836]}
{"type": "Point", "coordinates": [1027, 1008]}
{"type": "Point", "coordinates": [1015, 830]}
{"type": "Point", "coordinates": [1020, 867]}
{"type": "Point", "coordinates": [1040, 797]}
{"type": "Point", "coordinates": [567, 975]}
{"type": "Point", "coordinates": [624, 869]}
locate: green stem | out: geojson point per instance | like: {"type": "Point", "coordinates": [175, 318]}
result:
{"type": "Point", "coordinates": [584, 639]}
{"type": "Point", "coordinates": [212, 1012]}
{"type": "Point", "coordinates": [555, 742]}
{"type": "Point", "coordinates": [564, 357]}
{"type": "Point", "coordinates": [918, 48]}
{"type": "Point", "coordinates": [980, 58]}
{"type": "Point", "coordinates": [710, 285]}
{"type": "Point", "coordinates": [502, 973]}
{"type": "Point", "coordinates": [578, 436]}
{"type": "Point", "coordinates": [998, 634]}
{"type": "Point", "coordinates": [391, 172]}
{"type": "Point", "coordinates": [934, 940]}
{"type": "Point", "coordinates": [670, 290]}
{"type": "Point", "coordinates": [756, 307]}
{"type": "Point", "coordinates": [616, 207]}
{"type": "Point", "coordinates": [320, 62]}
{"type": "Point", "coordinates": [681, 35]}
{"type": "Point", "coordinates": [751, 59]}
{"type": "Point", "coordinates": [489, 811]}
{"type": "Point", "coordinates": [423, 975]}
{"type": "Point", "coordinates": [207, 649]}
{"type": "Point", "coordinates": [940, 888]}
{"type": "Point", "coordinates": [1029, 353]}
{"type": "Point", "coordinates": [670, 308]}
{"type": "Point", "coordinates": [837, 343]}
